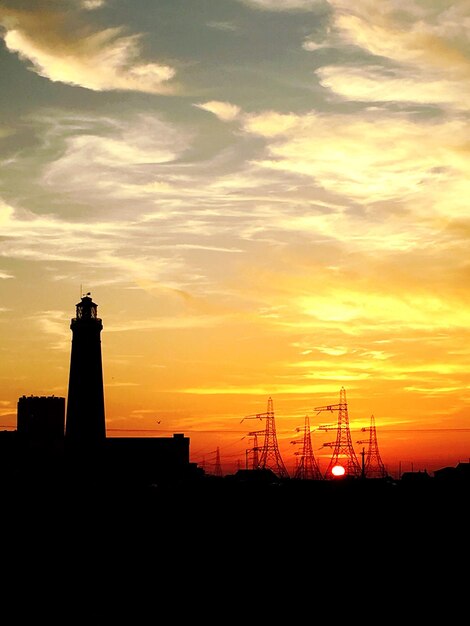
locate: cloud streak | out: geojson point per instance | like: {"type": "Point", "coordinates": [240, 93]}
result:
{"type": "Point", "coordinates": [371, 84]}
{"type": "Point", "coordinates": [99, 60]}
{"type": "Point", "coordinates": [376, 156]}
{"type": "Point", "coordinates": [293, 219]}
{"type": "Point", "coordinates": [427, 35]}
{"type": "Point", "coordinates": [90, 5]}
{"type": "Point", "coordinates": [284, 5]}
{"type": "Point", "coordinates": [225, 111]}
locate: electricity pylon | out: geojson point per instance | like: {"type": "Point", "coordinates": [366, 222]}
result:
{"type": "Point", "coordinates": [254, 450]}
{"type": "Point", "coordinates": [343, 451]}
{"type": "Point", "coordinates": [373, 465]}
{"type": "Point", "coordinates": [270, 457]}
{"type": "Point", "coordinates": [307, 468]}
{"type": "Point", "coordinates": [218, 466]}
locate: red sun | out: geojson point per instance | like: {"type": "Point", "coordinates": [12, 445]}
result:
{"type": "Point", "coordinates": [338, 470]}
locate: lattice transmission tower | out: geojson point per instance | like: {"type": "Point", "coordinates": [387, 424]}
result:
{"type": "Point", "coordinates": [270, 456]}
{"type": "Point", "coordinates": [254, 451]}
{"type": "Point", "coordinates": [218, 465]}
{"type": "Point", "coordinates": [343, 451]}
{"type": "Point", "coordinates": [307, 468]}
{"type": "Point", "coordinates": [373, 465]}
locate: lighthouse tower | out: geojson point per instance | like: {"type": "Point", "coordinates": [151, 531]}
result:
{"type": "Point", "coordinates": [85, 422]}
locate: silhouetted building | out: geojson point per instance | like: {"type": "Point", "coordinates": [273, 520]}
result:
{"type": "Point", "coordinates": [34, 452]}
{"type": "Point", "coordinates": [92, 455]}
{"type": "Point", "coordinates": [415, 477]}
{"type": "Point", "coordinates": [260, 476]}
{"type": "Point", "coordinates": [459, 473]}
{"type": "Point", "coordinates": [159, 460]}
{"type": "Point", "coordinates": [9, 453]}
{"type": "Point", "coordinates": [41, 418]}
{"type": "Point", "coordinates": [85, 424]}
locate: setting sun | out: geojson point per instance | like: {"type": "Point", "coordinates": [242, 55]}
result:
{"type": "Point", "coordinates": [338, 470]}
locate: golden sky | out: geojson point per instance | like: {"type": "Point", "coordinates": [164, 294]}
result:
{"type": "Point", "coordinates": [266, 198]}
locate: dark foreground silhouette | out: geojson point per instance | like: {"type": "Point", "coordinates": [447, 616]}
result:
{"type": "Point", "coordinates": [246, 500]}
{"type": "Point", "coordinates": [106, 551]}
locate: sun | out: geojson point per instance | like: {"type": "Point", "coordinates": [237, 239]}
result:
{"type": "Point", "coordinates": [338, 470]}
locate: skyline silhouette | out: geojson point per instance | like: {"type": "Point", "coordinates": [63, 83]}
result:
{"type": "Point", "coordinates": [84, 428]}
{"type": "Point", "coordinates": [64, 466]}
{"type": "Point", "coordinates": [233, 451]}
{"type": "Point", "coordinates": [268, 199]}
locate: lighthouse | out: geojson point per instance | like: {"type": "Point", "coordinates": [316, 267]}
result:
{"type": "Point", "coordinates": [85, 420]}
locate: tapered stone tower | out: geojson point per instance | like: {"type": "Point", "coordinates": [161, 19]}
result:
{"type": "Point", "coordinates": [85, 421]}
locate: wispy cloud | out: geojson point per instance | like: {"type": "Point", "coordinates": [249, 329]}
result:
{"type": "Point", "coordinates": [105, 153]}
{"type": "Point", "coordinates": [100, 60]}
{"type": "Point", "coordinates": [438, 391]}
{"type": "Point", "coordinates": [223, 110]}
{"type": "Point", "coordinates": [430, 35]}
{"type": "Point", "coordinates": [305, 201]}
{"type": "Point", "coordinates": [259, 390]}
{"type": "Point", "coordinates": [312, 45]}
{"type": "Point", "coordinates": [90, 5]}
{"type": "Point", "coordinates": [48, 238]}
{"type": "Point", "coordinates": [366, 310]}
{"type": "Point", "coordinates": [226, 26]}
{"type": "Point", "coordinates": [419, 53]}
{"type": "Point", "coordinates": [373, 156]}
{"type": "Point", "coordinates": [374, 84]}
{"type": "Point", "coordinates": [52, 323]}
{"type": "Point", "coordinates": [185, 321]}
{"type": "Point", "coordinates": [148, 214]}
{"type": "Point", "coordinates": [284, 5]}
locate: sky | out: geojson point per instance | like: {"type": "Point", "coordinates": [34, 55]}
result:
{"type": "Point", "coordinates": [265, 198]}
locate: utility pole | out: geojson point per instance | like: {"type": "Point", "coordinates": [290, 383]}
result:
{"type": "Point", "coordinates": [363, 465]}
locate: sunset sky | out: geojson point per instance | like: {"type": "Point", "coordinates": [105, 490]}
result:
{"type": "Point", "coordinates": [265, 198]}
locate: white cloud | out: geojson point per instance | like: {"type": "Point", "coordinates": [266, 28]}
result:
{"type": "Point", "coordinates": [425, 35]}
{"type": "Point", "coordinates": [49, 238]}
{"type": "Point", "coordinates": [223, 110]}
{"type": "Point", "coordinates": [5, 275]}
{"type": "Point", "coordinates": [90, 5]}
{"type": "Point", "coordinates": [271, 123]}
{"type": "Point", "coordinates": [284, 5]}
{"type": "Point", "coordinates": [226, 26]}
{"type": "Point", "coordinates": [139, 208]}
{"type": "Point", "coordinates": [51, 323]}
{"type": "Point", "coordinates": [106, 160]}
{"type": "Point", "coordinates": [312, 45]}
{"type": "Point", "coordinates": [102, 61]}
{"type": "Point", "coordinates": [374, 157]}
{"type": "Point", "coordinates": [370, 84]}
{"type": "Point", "coordinates": [6, 214]}
{"type": "Point", "coordinates": [188, 321]}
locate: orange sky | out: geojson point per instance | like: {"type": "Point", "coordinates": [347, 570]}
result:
{"type": "Point", "coordinates": [264, 197]}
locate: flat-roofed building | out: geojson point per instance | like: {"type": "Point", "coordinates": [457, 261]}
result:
{"type": "Point", "coordinates": [41, 418]}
